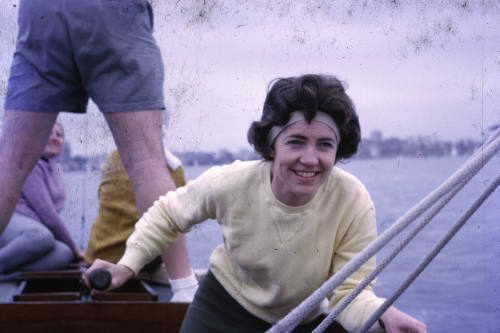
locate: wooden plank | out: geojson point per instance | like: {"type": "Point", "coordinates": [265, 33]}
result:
{"type": "Point", "coordinates": [56, 273]}
{"type": "Point", "coordinates": [77, 273]}
{"type": "Point", "coordinates": [123, 296]}
{"type": "Point", "coordinates": [40, 297]}
{"type": "Point", "coordinates": [92, 317]}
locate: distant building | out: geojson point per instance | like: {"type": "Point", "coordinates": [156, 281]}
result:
{"type": "Point", "coordinates": [376, 136]}
{"type": "Point", "coordinates": [422, 146]}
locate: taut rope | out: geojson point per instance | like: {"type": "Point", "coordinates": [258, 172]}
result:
{"type": "Point", "coordinates": [433, 253]}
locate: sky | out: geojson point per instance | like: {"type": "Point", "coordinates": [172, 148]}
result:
{"type": "Point", "coordinates": [412, 67]}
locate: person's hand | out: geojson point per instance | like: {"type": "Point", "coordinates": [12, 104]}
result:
{"type": "Point", "coordinates": [119, 274]}
{"type": "Point", "coordinates": [396, 321]}
{"type": "Point", "coordinates": [78, 254]}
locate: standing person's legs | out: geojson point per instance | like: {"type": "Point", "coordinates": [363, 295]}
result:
{"type": "Point", "coordinates": [177, 260]}
{"type": "Point", "coordinates": [23, 138]}
{"type": "Point", "coordinates": [127, 78]}
{"type": "Point", "coordinates": [138, 137]}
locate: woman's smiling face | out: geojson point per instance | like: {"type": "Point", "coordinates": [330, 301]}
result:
{"type": "Point", "coordinates": [55, 142]}
{"type": "Point", "coordinates": [303, 157]}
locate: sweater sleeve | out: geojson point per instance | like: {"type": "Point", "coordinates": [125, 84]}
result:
{"type": "Point", "coordinates": [360, 233]}
{"type": "Point", "coordinates": [38, 197]}
{"type": "Point", "coordinates": [174, 213]}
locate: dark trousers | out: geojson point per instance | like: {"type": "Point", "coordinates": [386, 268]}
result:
{"type": "Point", "coordinates": [213, 310]}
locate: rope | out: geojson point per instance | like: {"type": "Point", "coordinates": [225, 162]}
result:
{"type": "Point", "coordinates": [435, 250]}
{"type": "Point", "coordinates": [292, 319]}
{"type": "Point", "coordinates": [348, 299]}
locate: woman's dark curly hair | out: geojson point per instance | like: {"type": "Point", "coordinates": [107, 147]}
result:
{"type": "Point", "coordinates": [308, 93]}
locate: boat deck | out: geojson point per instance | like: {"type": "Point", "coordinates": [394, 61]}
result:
{"type": "Point", "coordinates": [8, 289]}
{"type": "Point", "coordinates": [82, 314]}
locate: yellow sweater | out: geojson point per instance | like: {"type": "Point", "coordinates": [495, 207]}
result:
{"type": "Point", "coordinates": [117, 211]}
{"type": "Point", "coordinates": [273, 255]}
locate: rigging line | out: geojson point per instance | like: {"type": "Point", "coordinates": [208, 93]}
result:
{"type": "Point", "coordinates": [482, 78]}
{"type": "Point", "coordinates": [359, 288]}
{"type": "Point", "coordinates": [294, 317]}
{"type": "Point", "coordinates": [431, 255]}
{"type": "Point", "coordinates": [348, 299]}
{"type": "Point", "coordinates": [482, 89]}
{"type": "Point", "coordinates": [490, 139]}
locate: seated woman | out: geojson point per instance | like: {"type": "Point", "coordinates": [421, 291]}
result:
{"type": "Point", "coordinates": [289, 221]}
{"type": "Point", "coordinates": [117, 210]}
{"type": "Point", "coordinates": [36, 237]}
{"type": "Point", "coordinates": [117, 217]}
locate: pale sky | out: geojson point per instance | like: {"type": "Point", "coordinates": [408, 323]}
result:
{"type": "Point", "coordinates": [413, 68]}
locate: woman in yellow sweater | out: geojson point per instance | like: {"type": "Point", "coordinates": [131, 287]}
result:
{"type": "Point", "coordinates": [289, 221]}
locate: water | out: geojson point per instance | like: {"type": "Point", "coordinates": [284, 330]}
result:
{"type": "Point", "coordinates": [457, 292]}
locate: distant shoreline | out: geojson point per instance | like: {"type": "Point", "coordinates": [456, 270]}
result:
{"type": "Point", "coordinates": [374, 147]}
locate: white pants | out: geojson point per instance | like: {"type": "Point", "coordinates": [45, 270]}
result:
{"type": "Point", "coordinates": [27, 245]}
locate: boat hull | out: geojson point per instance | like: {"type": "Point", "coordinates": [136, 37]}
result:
{"type": "Point", "coordinates": [76, 317]}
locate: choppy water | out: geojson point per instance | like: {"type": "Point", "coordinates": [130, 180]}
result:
{"type": "Point", "coordinates": [458, 292]}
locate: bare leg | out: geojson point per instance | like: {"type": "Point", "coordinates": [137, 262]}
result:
{"type": "Point", "coordinates": [24, 136]}
{"type": "Point", "coordinates": [176, 264]}
{"type": "Point", "coordinates": [138, 137]}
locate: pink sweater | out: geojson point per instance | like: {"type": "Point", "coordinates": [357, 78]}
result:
{"type": "Point", "coordinates": [42, 198]}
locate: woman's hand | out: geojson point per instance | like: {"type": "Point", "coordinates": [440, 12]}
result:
{"type": "Point", "coordinates": [119, 273]}
{"type": "Point", "coordinates": [396, 321]}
